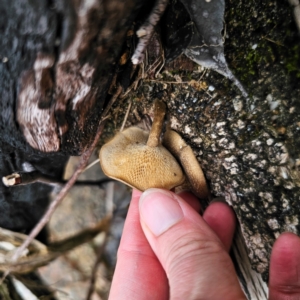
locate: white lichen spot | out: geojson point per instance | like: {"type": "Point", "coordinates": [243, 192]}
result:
{"type": "Point", "coordinates": [226, 165]}
{"type": "Point", "coordinates": [269, 98]}
{"type": "Point", "coordinates": [237, 104]}
{"type": "Point", "coordinates": [285, 203]}
{"type": "Point", "coordinates": [175, 123]}
{"type": "Point", "coordinates": [261, 267]}
{"type": "Point", "coordinates": [265, 204]}
{"type": "Point", "coordinates": [272, 170]}
{"type": "Point", "coordinates": [284, 172]}
{"type": "Point", "coordinates": [235, 184]}
{"type": "Point", "coordinates": [256, 239]}
{"type": "Point", "coordinates": [256, 142]}
{"type": "Point", "coordinates": [284, 156]}
{"type": "Point", "coordinates": [261, 255]}
{"type": "Point", "coordinates": [289, 185]}
{"type": "Point", "coordinates": [223, 142]}
{"type": "Point", "coordinates": [277, 234]}
{"type": "Point", "coordinates": [267, 196]}
{"type": "Point", "coordinates": [220, 124]}
{"type": "Point", "coordinates": [197, 140]}
{"type": "Point", "coordinates": [230, 159]}
{"type": "Point", "coordinates": [231, 145]}
{"type": "Point", "coordinates": [250, 156]}
{"type": "Point", "coordinates": [270, 142]}
{"type": "Point", "coordinates": [27, 167]}
{"type": "Point", "coordinates": [234, 171]}
{"type": "Point", "coordinates": [221, 131]}
{"type": "Point", "coordinates": [291, 228]}
{"type": "Point", "coordinates": [261, 164]}
{"type": "Point", "coordinates": [187, 129]}
{"type": "Point", "coordinates": [217, 103]}
{"type": "Point", "coordinates": [244, 208]}
{"type": "Point", "coordinates": [252, 204]}
{"type": "Point", "coordinates": [292, 109]}
{"type": "Point", "coordinates": [291, 220]}
{"type": "Point", "coordinates": [272, 209]}
{"type": "Point", "coordinates": [272, 103]}
{"type": "Point", "coordinates": [241, 124]}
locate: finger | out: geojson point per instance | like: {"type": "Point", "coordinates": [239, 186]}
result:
{"type": "Point", "coordinates": [138, 273]}
{"type": "Point", "coordinates": [221, 219]}
{"type": "Point", "coordinates": [195, 261]}
{"type": "Point", "coordinates": [191, 199]}
{"type": "Point", "coordinates": [284, 280]}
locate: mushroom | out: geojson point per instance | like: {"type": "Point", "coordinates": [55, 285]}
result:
{"type": "Point", "coordinates": [139, 159]}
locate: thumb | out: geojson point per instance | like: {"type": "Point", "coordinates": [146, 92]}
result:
{"type": "Point", "coordinates": [196, 263]}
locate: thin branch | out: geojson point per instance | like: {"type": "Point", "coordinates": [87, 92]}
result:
{"type": "Point", "coordinates": [146, 30]}
{"type": "Point", "coordinates": [54, 204]}
{"type": "Point", "coordinates": [24, 178]}
{"type": "Point", "coordinates": [91, 164]}
{"type": "Point", "coordinates": [126, 116]}
{"type": "Point", "coordinates": [58, 199]}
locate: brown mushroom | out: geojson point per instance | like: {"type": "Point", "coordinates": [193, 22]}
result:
{"type": "Point", "coordinates": [184, 153]}
{"type": "Point", "coordinates": [138, 158]}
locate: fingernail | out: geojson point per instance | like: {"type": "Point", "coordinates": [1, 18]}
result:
{"type": "Point", "coordinates": [159, 210]}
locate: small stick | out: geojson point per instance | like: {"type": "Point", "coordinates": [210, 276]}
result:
{"type": "Point", "coordinates": [24, 178]}
{"type": "Point", "coordinates": [54, 204]}
{"type": "Point", "coordinates": [126, 116]}
{"type": "Point", "coordinates": [146, 30]}
{"type": "Point", "coordinates": [91, 164]}
{"type": "Point", "coordinates": [58, 199]}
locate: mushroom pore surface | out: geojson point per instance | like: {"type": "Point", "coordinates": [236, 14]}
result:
{"type": "Point", "coordinates": [127, 158]}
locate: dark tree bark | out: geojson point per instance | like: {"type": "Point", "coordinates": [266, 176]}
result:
{"type": "Point", "coordinates": [58, 59]}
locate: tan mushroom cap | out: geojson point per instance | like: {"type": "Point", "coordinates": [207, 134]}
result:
{"type": "Point", "coordinates": [127, 158]}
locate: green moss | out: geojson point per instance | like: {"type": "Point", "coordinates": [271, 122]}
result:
{"type": "Point", "coordinates": [255, 60]}
{"type": "Point", "coordinates": [292, 61]}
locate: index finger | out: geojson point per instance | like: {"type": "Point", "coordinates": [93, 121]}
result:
{"type": "Point", "coordinates": [138, 273]}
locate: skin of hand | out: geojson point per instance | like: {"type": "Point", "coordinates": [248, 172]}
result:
{"type": "Point", "coordinates": [169, 251]}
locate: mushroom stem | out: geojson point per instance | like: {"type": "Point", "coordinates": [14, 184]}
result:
{"type": "Point", "coordinates": [159, 115]}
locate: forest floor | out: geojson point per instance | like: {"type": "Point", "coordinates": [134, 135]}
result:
{"type": "Point", "coordinates": [70, 276]}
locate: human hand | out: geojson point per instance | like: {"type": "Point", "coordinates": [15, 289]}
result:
{"type": "Point", "coordinates": [168, 251]}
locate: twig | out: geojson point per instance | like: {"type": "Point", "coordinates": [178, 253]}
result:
{"type": "Point", "coordinates": [162, 65]}
{"type": "Point", "coordinates": [24, 178]}
{"type": "Point", "coordinates": [91, 164]}
{"type": "Point", "coordinates": [146, 30]}
{"type": "Point", "coordinates": [46, 217]}
{"type": "Point", "coordinates": [58, 199]}
{"type": "Point", "coordinates": [126, 116]}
